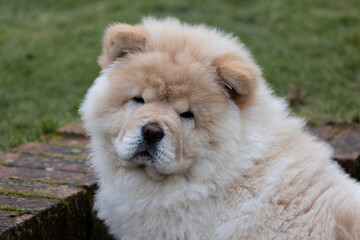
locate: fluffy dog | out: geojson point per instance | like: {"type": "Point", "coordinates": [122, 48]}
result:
{"type": "Point", "coordinates": [188, 142]}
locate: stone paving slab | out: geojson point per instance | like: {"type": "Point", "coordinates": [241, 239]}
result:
{"type": "Point", "coordinates": [9, 222]}
{"type": "Point", "coordinates": [35, 203]}
{"type": "Point", "coordinates": [32, 187]}
{"type": "Point", "coordinates": [60, 177]}
{"type": "Point", "coordinates": [347, 144]}
{"type": "Point", "coordinates": [45, 163]}
{"type": "Point", "coordinates": [75, 128]}
{"type": "Point", "coordinates": [325, 132]}
{"type": "Point", "coordinates": [52, 150]}
{"type": "Point", "coordinates": [345, 140]}
{"type": "Point", "coordinates": [66, 140]}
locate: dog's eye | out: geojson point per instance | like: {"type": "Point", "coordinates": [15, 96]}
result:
{"type": "Point", "coordinates": [187, 115]}
{"type": "Point", "coordinates": [138, 100]}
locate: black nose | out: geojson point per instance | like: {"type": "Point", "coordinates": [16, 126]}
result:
{"type": "Point", "coordinates": [152, 133]}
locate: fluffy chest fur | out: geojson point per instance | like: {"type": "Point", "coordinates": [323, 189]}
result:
{"type": "Point", "coordinates": [248, 208]}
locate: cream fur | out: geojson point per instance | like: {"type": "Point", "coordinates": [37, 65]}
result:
{"type": "Point", "coordinates": [250, 172]}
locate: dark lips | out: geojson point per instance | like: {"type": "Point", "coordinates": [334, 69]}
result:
{"type": "Point", "coordinates": [145, 155]}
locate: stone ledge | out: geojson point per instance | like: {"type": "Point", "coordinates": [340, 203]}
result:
{"type": "Point", "coordinates": [46, 190]}
{"type": "Point", "coordinates": [46, 187]}
{"type": "Point", "coordinates": [346, 142]}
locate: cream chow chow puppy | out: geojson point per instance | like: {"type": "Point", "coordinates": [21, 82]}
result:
{"type": "Point", "coordinates": [188, 142]}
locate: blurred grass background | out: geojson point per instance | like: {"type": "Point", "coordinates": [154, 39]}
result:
{"type": "Point", "coordinates": [309, 52]}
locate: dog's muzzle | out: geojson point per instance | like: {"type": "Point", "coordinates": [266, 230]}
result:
{"type": "Point", "coordinates": [147, 149]}
{"type": "Point", "coordinates": [147, 146]}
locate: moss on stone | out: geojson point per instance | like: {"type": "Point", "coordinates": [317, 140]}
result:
{"type": "Point", "coordinates": [18, 234]}
{"type": "Point", "coordinates": [38, 180]}
{"type": "Point", "coordinates": [338, 130]}
{"type": "Point", "coordinates": [62, 156]}
{"type": "Point", "coordinates": [56, 139]}
{"type": "Point", "coordinates": [17, 211]}
{"type": "Point", "coordinates": [9, 192]}
{"type": "Point", "coordinates": [29, 232]}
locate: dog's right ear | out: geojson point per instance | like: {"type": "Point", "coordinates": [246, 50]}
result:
{"type": "Point", "coordinates": [120, 39]}
{"type": "Point", "coordinates": [238, 77]}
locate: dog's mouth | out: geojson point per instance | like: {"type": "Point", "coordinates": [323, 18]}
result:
{"type": "Point", "coordinates": [139, 159]}
{"type": "Point", "coordinates": [149, 159]}
{"type": "Point", "coordinates": [144, 156]}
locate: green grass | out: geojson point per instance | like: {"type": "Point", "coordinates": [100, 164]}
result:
{"type": "Point", "coordinates": [309, 51]}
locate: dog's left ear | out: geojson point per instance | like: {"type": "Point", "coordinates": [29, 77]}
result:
{"type": "Point", "coordinates": [120, 39]}
{"type": "Point", "coordinates": [239, 78]}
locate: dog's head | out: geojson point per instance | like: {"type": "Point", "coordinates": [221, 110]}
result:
{"type": "Point", "coordinates": [165, 101]}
